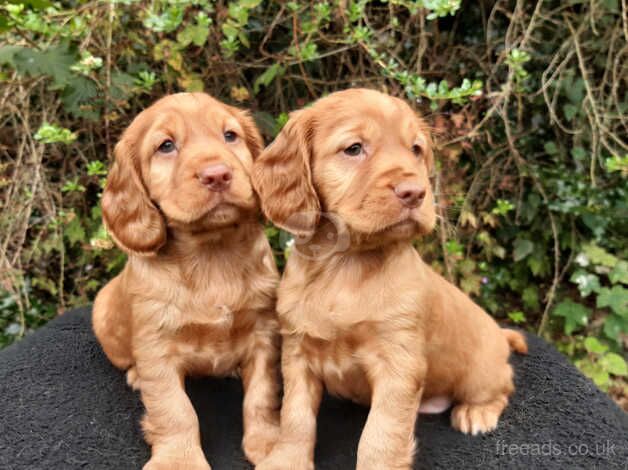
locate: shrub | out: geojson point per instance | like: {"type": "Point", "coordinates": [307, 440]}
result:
{"type": "Point", "coordinates": [527, 101]}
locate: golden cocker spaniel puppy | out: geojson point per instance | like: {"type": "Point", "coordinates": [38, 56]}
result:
{"type": "Point", "coordinates": [197, 294]}
{"type": "Point", "coordinates": [360, 313]}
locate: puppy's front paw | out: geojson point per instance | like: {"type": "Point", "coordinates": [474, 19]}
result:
{"type": "Point", "coordinates": [259, 440]}
{"type": "Point", "coordinates": [173, 462]}
{"type": "Point", "coordinates": [286, 457]}
{"type": "Point", "coordinates": [132, 378]}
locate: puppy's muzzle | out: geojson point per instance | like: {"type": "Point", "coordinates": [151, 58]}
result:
{"type": "Point", "coordinates": [216, 178]}
{"type": "Point", "coordinates": [410, 194]}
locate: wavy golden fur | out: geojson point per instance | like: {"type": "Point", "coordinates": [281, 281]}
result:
{"type": "Point", "coordinates": [197, 295]}
{"type": "Point", "coordinates": [360, 313]}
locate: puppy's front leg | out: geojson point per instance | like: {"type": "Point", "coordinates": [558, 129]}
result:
{"type": "Point", "coordinates": [302, 398]}
{"type": "Point", "coordinates": [170, 423]}
{"type": "Point", "coordinates": [388, 437]}
{"type": "Point", "coordinates": [261, 396]}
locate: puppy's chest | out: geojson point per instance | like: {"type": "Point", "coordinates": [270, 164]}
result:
{"type": "Point", "coordinates": [326, 307]}
{"type": "Point", "coordinates": [210, 298]}
{"type": "Point", "coordinates": [214, 350]}
{"type": "Point", "coordinates": [340, 365]}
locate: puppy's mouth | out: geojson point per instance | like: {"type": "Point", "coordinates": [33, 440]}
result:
{"type": "Point", "coordinates": [223, 213]}
{"type": "Point", "coordinates": [405, 220]}
{"type": "Point", "coordinates": [407, 226]}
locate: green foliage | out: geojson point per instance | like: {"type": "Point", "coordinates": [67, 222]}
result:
{"type": "Point", "coordinates": [50, 134]}
{"type": "Point", "coordinates": [531, 153]}
{"type": "Point", "coordinates": [601, 365]}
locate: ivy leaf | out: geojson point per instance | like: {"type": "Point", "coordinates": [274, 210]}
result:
{"type": "Point", "coordinates": [522, 249]}
{"type": "Point", "coordinates": [594, 346]}
{"type": "Point", "coordinates": [614, 364]}
{"type": "Point", "coordinates": [586, 282]}
{"type": "Point", "coordinates": [595, 372]}
{"type": "Point", "coordinates": [616, 298]}
{"type": "Point", "coordinates": [614, 325]}
{"type": "Point", "coordinates": [619, 273]}
{"type": "Point", "coordinates": [575, 315]}
{"type": "Point", "coordinates": [598, 255]}
{"type": "Point", "coordinates": [570, 111]}
{"type": "Point", "coordinates": [575, 91]}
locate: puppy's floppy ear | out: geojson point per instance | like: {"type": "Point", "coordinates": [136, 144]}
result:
{"type": "Point", "coordinates": [428, 145]}
{"type": "Point", "coordinates": [252, 137]}
{"type": "Point", "coordinates": [282, 177]}
{"type": "Point", "coordinates": [134, 222]}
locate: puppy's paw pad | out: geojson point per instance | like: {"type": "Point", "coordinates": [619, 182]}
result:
{"type": "Point", "coordinates": [259, 441]}
{"type": "Point", "coordinates": [132, 378]}
{"type": "Point", "coordinates": [475, 419]}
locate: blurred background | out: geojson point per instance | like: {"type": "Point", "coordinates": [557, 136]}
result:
{"type": "Point", "coordinates": [527, 100]}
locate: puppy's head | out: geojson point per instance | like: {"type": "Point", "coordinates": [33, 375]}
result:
{"type": "Point", "coordinates": [184, 161]}
{"type": "Point", "coordinates": [360, 154]}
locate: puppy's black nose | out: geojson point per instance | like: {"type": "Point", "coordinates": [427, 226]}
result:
{"type": "Point", "coordinates": [410, 194]}
{"type": "Point", "coordinates": [216, 177]}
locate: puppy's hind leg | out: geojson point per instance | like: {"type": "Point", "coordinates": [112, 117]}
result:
{"type": "Point", "coordinates": [111, 320]}
{"type": "Point", "coordinates": [478, 418]}
{"type": "Point", "coordinates": [483, 404]}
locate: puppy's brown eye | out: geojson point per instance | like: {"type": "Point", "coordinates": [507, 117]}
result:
{"type": "Point", "coordinates": [417, 150]}
{"type": "Point", "coordinates": [167, 146]}
{"type": "Point", "coordinates": [354, 150]}
{"type": "Point", "coordinates": [230, 136]}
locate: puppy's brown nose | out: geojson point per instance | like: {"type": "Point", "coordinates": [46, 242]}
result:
{"type": "Point", "coordinates": [410, 194]}
{"type": "Point", "coordinates": [216, 177]}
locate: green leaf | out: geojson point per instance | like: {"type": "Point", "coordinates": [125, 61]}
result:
{"type": "Point", "coordinates": [54, 62]}
{"type": "Point", "coordinates": [594, 346]}
{"type": "Point", "coordinates": [578, 153]}
{"type": "Point", "coordinates": [530, 298]}
{"type": "Point", "coordinates": [614, 325]}
{"type": "Point", "coordinates": [51, 133]}
{"type": "Point", "coordinates": [267, 77]}
{"type": "Point", "coordinates": [616, 298]}
{"type": "Point", "coordinates": [195, 33]}
{"type": "Point", "coordinates": [614, 364]}
{"type": "Point", "coordinates": [79, 90]}
{"type": "Point", "coordinates": [517, 317]}
{"type": "Point", "coordinates": [74, 231]}
{"type": "Point", "coordinates": [250, 4]}
{"type": "Point", "coordinates": [619, 273]}
{"type": "Point", "coordinates": [570, 111]}
{"type": "Point", "coordinates": [575, 315]}
{"type": "Point", "coordinates": [522, 249]}
{"type": "Point", "coordinates": [598, 255]}
{"type": "Point", "coordinates": [229, 30]}
{"type": "Point", "coordinates": [550, 148]}
{"type": "Point", "coordinates": [586, 282]}
{"type": "Point", "coordinates": [594, 371]}
{"type": "Point", "coordinates": [122, 85]}
{"type": "Point", "coordinates": [575, 91]}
